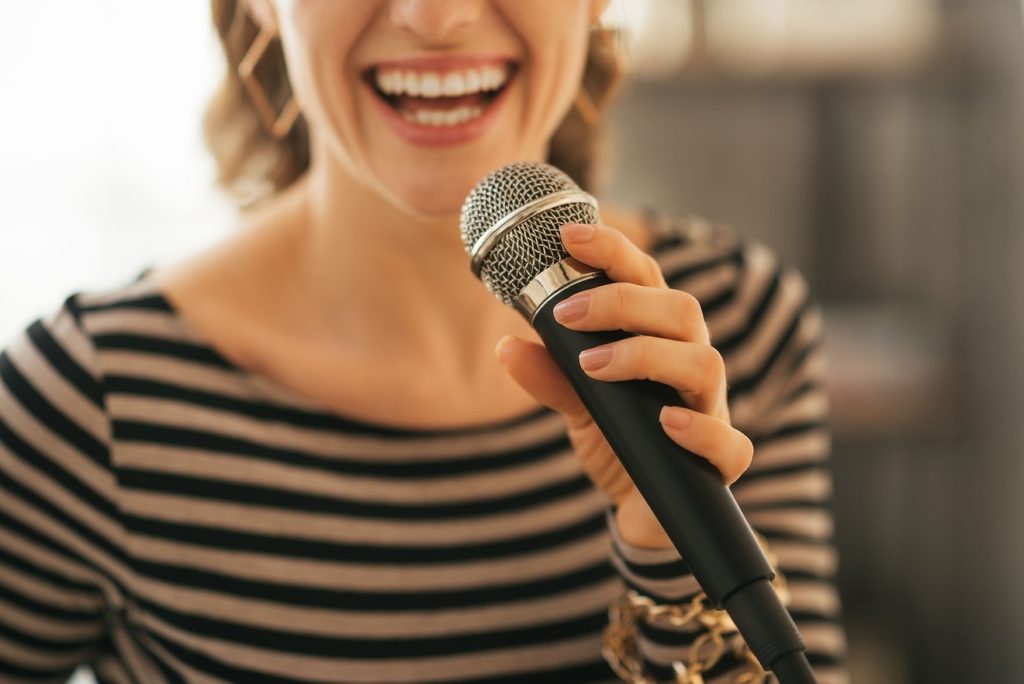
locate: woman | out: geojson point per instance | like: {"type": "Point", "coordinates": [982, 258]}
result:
{"type": "Point", "coordinates": [294, 457]}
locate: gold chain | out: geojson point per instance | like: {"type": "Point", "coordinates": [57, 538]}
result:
{"type": "Point", "coordinates": [622, 651]}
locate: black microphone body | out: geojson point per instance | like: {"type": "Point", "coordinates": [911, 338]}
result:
{"type": "Point", "coordinates": [685, 492]}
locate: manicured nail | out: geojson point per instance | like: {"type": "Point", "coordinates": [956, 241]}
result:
{"type": "Point", "coordinates": [675, 417]}
{"type": "Point", "coordinates": [501, 348]}
{"type": "Point", "coordinates": [598, 357]}
{"type": "Point", "coordinates": [577, 232]}
{"type": "Point", "coordinates": [572, 309]}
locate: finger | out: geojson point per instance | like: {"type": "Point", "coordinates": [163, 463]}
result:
{"type": "Point", "coordinates": [695, 370]}
{"type": "Point", "coordinates": [661, 312]}
{"type": "Point", "coordinates": [532, 367]}
{"type": "Point", "coordinates": [608, 249]}
{"type": "Point", "coordinates": [725, 447]}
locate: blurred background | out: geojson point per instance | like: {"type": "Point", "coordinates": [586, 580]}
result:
{"type": "Point", "coordinates": [876, 145]}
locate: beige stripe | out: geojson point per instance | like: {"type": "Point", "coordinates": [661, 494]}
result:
{"type": "Point", "coordinates": [821, 638]}
{"type": "Point", "coordinates": [673, 588]}
{"type": "Point", "coordinates": [60, 497]}
{"type": "Point", "coordinates": [50, 528]}
{"type": "Point", "coordinates": [814, 596]}
{"type": "Point", "coordinates": [693, 254]}
{"type": "Point", "coordinates": [73, 340]}
{"type": "Point", "coordinates": [61, 394]}
{"type": "Point", "coordinates": [120, 293]}
{"type": "Point", "coordinates": [146, 322]}
{"type": "Point", "coordinates": [750, 357]}
{"type": "Point", "coordinates": [813, 485]}
{"type": "Point", "coordinates": [814, 558]}
{"type": "Point", "coordinates": [708, 284]}
{"type": "Point", "coordinates": [33, 658]}
{"type": "Point", "coordinates": [135, 658]}
{"type": "Point", "coordinates": [60, 452]}
{"type": "Point", "coordinates": [411, 624]}
{"type": "Point", "coordinates": [43, 557]}
{"type": "Point", "coordinates": [427, 533]}
{"type": "Point", "coordinates": [367, 577]}
{"type": "Point", "coordinates": [816, 524]}
{"type": "Point", "coordinates": [508, 662]}
{"type": "Point", "coordinates": [758, 269]}
{"type": "Point", "coordinates": [44, 592]}
{"type": "Point", "coordinates": [807, 447]}
{"type": "Point", "coordinates": [810, 407]}
{"type": "Point", "coordinates": [190, 674]}
{"type": "Point", "coordinates": [111, 669]}
{"type": "Point", "coordinates": [47, 628]}
{"type": "Point", "coordinates": [179, 372]}
{"type": "Point", "coordinates": [558, 467]}
{"type": "Point", "coordinates": [750, 409]}
{"type": "Point", "coordinates": [333, 443]}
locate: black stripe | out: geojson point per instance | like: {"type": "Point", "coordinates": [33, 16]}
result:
{"type": "Point", "coordinates": [749, 383]}
{"type": "Point", "coordinates": [43, 674]}
{"type": "Point", "coordinates": [475, 462]}
{"type": "Point", "coordinates": [39, 461]}
{"type": "Point", "coordinates": [678, 276]}
{"type": "Point", "coordinates": [384, 648]}
{"type": "Point", "coordinates": [54, 647]}
{"type": "Point", "coordinates": [754, 317]}
{"type": "Point", "coordinates": [390, 601]}
{"type": "Point", "coordinates": [597, 671]}
{"type": "Point", "coordinates": [671, 570]}
{"type": "Point", "coordinates": [33, 402]}
{"type": "Point", "coordinates": [788, 430]}
{"type": "Point", "coordinates": [265, 410]}
{"type": "Point", "coordinates": [760, 474]}
{"type": "Point", "coordinates": [186, 351]}
{"type": "Point", "coordinates": [48, 609]}
{"type": "Point", "coordinates": [292, 547]}
{"type": "Point", "coordinates": [273, 497]}
{"type": "Point", "coordinates": [89, 591]}
{"type": "Point", "coordinates": [149, 302]}
{"type": "Point", "coordinates": [30, 498]}
{"type": "Point", "coordinates": [64, 364]}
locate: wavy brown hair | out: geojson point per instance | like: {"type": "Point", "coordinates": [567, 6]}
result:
{"type": "Point", "coordinates": [252, 164]}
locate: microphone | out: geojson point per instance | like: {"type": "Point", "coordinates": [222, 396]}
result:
{"type": "Point", "coordinates": [510, 226]}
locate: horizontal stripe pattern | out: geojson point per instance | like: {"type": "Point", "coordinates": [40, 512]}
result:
{"type": "Point", "coordinates": [167, 516]}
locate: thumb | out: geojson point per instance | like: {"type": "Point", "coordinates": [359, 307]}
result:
{"type": "Point", "coordinates": [532, 367]}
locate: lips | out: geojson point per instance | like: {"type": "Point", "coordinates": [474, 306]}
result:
{"type": "Point", "coordinates": [447, 96]}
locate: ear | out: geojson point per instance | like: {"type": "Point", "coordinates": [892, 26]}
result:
{"type": "Point", "coordinates": [263, 13]}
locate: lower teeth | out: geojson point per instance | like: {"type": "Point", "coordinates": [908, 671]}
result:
{"type": "Point", "coordinates": [442, 117]}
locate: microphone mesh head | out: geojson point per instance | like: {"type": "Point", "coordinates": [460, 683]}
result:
{"type": "Point", "coordinates": [529, 246]}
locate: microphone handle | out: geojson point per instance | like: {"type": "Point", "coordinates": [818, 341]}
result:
{"type": "Point", "coordinates": [685, 492]}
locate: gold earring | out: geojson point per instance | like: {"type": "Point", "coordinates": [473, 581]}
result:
{"type": "Point", "coordinates": [278, 125]}
{"type": "Point", "coordinates": [586, 107]}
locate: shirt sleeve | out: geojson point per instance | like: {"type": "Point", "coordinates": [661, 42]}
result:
{"type": "Point", "coordinates": [770, 336]}
{"type": "Point", "coordinates": [56, 493]}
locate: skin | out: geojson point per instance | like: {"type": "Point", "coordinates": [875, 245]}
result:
{"type": "Point", "coordinates": [296, 294]}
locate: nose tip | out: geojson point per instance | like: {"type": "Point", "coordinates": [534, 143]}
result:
{"type": "Point", "coordinates": [435, 21]}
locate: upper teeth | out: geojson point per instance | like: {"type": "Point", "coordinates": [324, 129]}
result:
{"type": "Point", "coordinates": [441, 84]}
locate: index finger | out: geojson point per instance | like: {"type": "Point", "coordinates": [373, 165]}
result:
{"type": "Point", "coordinates": [608, 249]}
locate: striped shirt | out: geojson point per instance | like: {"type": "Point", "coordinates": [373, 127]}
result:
{"type": "Point", "coordinates": [168, 516]}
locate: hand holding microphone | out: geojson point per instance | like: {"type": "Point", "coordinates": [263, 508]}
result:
{"type": "Point", "coordinates": [512, 226]}
{"type": "Point", "coordinates": [670, 345]}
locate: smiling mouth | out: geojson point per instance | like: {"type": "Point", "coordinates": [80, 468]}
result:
{"type": "Point", "coordinates": [441, 98]}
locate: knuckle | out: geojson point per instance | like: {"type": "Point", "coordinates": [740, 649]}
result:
{"type": "Point", "coordinates": [712, 363]}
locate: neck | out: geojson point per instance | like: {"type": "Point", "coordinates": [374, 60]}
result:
{"type": "Point", "coordinates": [385, 283]}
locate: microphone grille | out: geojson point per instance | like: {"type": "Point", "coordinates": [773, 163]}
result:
{"type": "Point", "coordinates": [529, 245]}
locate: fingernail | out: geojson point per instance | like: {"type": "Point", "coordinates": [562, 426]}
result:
{"type": "Point", "coordinates": [572, 309]}
{"type": "Point", "coordinates": [675, 417]}
{"type": "Point", "coordinates": [577, 232]}
{"type": "Point", "coordinates": [501, 348]}
{"type": "Point", "coordinates": [598, 357]}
